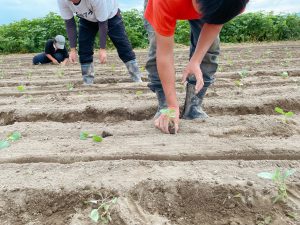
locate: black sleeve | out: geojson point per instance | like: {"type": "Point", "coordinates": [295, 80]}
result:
{"type": "Point", "coordinates": [103, 29]}
{"type": "Point", "coordinates": [72, 32]}
{"type": "Point", "coordinates": [49, 47]}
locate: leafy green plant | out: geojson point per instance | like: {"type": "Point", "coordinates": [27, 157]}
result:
{"type": "Point", "coordinates": [70, 86]}
{"type": "Point", "coordinates": [139, 93]}
{"type": "Point", "coordinates": [243, 74]}
{"type": "Point", "coordinates": [266, 221]}
{"type": "Point", "coordinates": [284, 74]}
{"type": "Point", "coordinates": [14, 136]}
{"type": "Point", "coordinates": [279, 179]}
{"type": "Point", "coordinates": [85, 135]}
{"type": "Point", "coordinates": [285, 114]}
{"type": "Point", "coordinates": [21, 88]}
{"type": "Point", "coordinates": [238, 83]}
{"type": "Point", "coordinates": [102, 213]}
{"type": "Point", "coordinates": [60, 73]}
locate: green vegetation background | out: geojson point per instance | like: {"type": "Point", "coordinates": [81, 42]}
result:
{"type": "Point", "coordinates": [27, 36]}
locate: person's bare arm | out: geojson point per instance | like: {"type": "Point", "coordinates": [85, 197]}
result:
{"type": "Point", "coordinates": [53, 60]}
{"type": "Point", "coordinates": [166, 71]}
{"type": "Point", "coordinates": [209, 33]}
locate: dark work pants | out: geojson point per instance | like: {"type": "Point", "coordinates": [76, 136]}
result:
{"type": "Point", "coordinates": [116, 32]}
{"type": "Point", "coordinates": [42, 58]}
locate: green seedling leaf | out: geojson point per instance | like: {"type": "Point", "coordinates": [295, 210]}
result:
{"type": "Point", "coordinates": [4, 144]}
{"type": "Point", "coordinates": [105, 207]}
{"type": "Point", "coordinates": [279, 110]}
{"type": "Point", "coordinates": [94, 215]}
{"type": "Point", "coordinates": [238, 83]}
{"type": "Point", "coordinates": [268, 220]}
{"type": "Point", "coordinates": [289, 114]}
{"type": "Point", "coordinates": [284, 74]}
{"type": "Point", "coordinates": [15, 136]}
{"type": "Point", "coordinates": [288, 173]}
{"type": "Point", "coordinates": [84, 135]}
{"type": "Point", "coordinates": [21, 88]}
{"type": "Point", "coordinates": [114, 200]}
{"type": "Point", "coordinates": [104, 220]}
{"type": "Point", "coordinates": [266, 175]}
{"type": "Point", "coordinates": [70, 86]}
{"type": "Point", "coordinates": [97, 138]}
{"type": "Point", "coordinates": [292, 215]}
{"type": "Point", "coordinates": [171, 113]}
{"type": "Point", "coordinates": [277, 174]}
{"type": "Point", "coordinates": [138, 93]}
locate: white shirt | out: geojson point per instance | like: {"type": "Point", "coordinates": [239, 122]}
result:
{"type": "Point", "coordinates": [91, 10]}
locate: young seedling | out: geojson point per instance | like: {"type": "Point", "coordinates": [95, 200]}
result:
{"type": "Point", "coordinates": [285, 114]}
{"type": "Point", "coordinates": [70, 86]}
{"type": "Point", "coordinates": [60, 73]}
{"type": "Point", "coordinates": [113, 67]}
{"type": "Point", "coordinates": [1, 74]}
{"type": "Point", "coordinates": [15, 136]}
{"type": "Point", "coordinates": [284, 74]}
{"type": "Point", "coordinates": [143, 69]}
{"type": "Point", "coordinates": [279, 179]}
{"type": "Point", "coordinates": [266, 221]}
{"type": "Point", "coordinates": [139, 93]}
{"type": "Point", "coordinates": [85, 135]}
{"type": "Point", "coordinates": [243, 74]}
{"type": "Point", "coordinates": [171, 114]}
{"type": "Point", "coordinates": [21, 88]}
{"type": "Point", "coordinates": [102, 212]}
{"type": "Point", "coordinates": [238, 83]}
{"type": "Point", "coordinates": [220, 69]}
{"type": "Point", "coordinates": [29, 75]}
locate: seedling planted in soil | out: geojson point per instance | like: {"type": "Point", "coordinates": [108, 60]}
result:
{"type": "Point", "coordinates": [279, 179]}
{"type": "Point", "coordinates": [85, 135]}
{"type": "Point", "coordinates": [102, 212]}
{"type": "Point", "coordinates": [10, 138]}
{"type": "Point", "coordinates": [139, 93]}
{"type": "Point", "coordinates": [21, 88]}
{"type": "Point", "coordinates": [171, 114]}
{"type": "Point", "coordinates": [70, 86]}
{"type": "Point", "coordinates": [284, 74]}
{"type": "Point", "coordinates": [266, 221]}
{"type": "Point", "coordinates": [285, 114]}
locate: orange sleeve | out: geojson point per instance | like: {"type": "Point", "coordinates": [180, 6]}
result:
{"type": "Point", "coordinates": [157, 15]}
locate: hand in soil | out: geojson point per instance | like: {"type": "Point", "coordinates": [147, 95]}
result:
{"type": "Point", "coordinates": [166, 124]}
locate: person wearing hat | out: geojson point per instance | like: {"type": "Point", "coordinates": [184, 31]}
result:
{"type": "Point", "coordinates": [55, 52]}
{"type": "Point", "coordinates": [97, 16]}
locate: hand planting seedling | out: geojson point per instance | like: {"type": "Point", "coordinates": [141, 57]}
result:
{"type": "Point", "coordinates": [102, 212]}
{"type": "Point", "coordinates": [10, 138]}
{"type": "Point", "coordinates": [21, 88]}
{"type": "Point", "coordinates": [171, 114]}
{"type": "Point", "coordinates": [285, 114]}
{"type": "Point", "coordinates": [85, 135]}
{"type": "Point", "coordinates": [279, 180]}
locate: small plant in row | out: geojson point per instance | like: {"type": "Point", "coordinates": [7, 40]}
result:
{"type": "Point", "coordinates": [279, 179]}
{"type": "Point", "coordinates": [102, 212]}
{"type": "Point", "coordinates": [15, 136]}
{"type": "Point", "coordinates": [286, 115]}
{"type": "Point", "coordinates": [21, 88]}
{"type": "Point", "coordinates": [243, 74]}
{"type": "Point", "coordinates": [85, 135]}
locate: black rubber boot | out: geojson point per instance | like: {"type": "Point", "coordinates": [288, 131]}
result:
{"type": "Point", "coordinates": [162, 104]}
{"type": "Point", "coordinates": [87, 71]}
{"type": "Point", "coordinates": [134, 71]}
{"type": "Point", "coordinates": [192, 106]}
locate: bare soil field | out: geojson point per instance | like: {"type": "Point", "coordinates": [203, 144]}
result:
{"type": "Point", "coordinates": [205, 175]}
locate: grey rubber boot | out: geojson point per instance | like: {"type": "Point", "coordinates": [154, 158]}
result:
{"type": "Point", "coordinates": [162, 104]}
{"type": "Point", "coordinates": [134, 70]}
{"type": "Point", "coordinates": [87, 71]}
{"type": "Point", "coordinates": [192, 106]}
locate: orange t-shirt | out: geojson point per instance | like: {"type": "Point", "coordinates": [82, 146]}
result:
{"type": "Point", "coordinates": [163, 14]}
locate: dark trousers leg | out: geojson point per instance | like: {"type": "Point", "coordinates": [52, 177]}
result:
{"type": "Point", "coordinates": [117, 34]}
{"type": "Point", "coordinates": [40, 59]}
{"type": "Point", "coordinates": [86, 39]}
{"type": "Point", "coordinates": [209, 63]}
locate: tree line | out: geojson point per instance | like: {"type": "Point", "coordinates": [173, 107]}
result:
{"type": "Point", "coordinates": [26, 36]}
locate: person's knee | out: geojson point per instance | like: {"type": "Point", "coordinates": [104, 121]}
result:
{"type": "Point", "coordinates": [35, 60]}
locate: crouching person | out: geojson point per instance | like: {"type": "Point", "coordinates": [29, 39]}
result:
{"type": "Point", "coordinates": [101, 16]}
{"type": "Point", "coordinates": [206, 18]}
{"type": "Point", "coordinates": [55, 52]}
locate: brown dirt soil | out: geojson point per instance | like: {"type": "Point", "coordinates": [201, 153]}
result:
{"type": "Point", "coordinates": [205, 175]}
